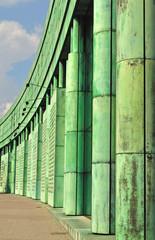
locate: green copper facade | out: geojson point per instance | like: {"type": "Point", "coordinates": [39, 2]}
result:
{"type": "Point", "coordinates": [81, 134]}
{"type": "Point", "coordinates": [135, 148]}
{"type": "Point", "coordinates": [104, 98]}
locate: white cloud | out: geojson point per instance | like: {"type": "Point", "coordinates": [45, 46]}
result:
{"type": "Point", "coordinates": [5, 107]}
{"type": "Point", "coordinates": [8, 3]}
{"type": "Point", "coordinates": [16, 45]}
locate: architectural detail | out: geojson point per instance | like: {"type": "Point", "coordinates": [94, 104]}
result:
{"type": "Point", "coordinates": [84, 121]}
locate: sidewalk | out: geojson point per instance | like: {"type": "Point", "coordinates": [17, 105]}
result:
{"type": "Point", "coordinates": [24, 219]}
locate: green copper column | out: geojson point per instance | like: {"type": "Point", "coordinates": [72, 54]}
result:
{"type": "Point", "coordinates": [9, 169]}
{"type": "Point", "coordinates": [34, 164]}
{"type": "Point", "coordinates": [5, 170]}
{"type": "Point", "coordinates": [74, 123]}
{"type": "Point", "coordinates": [13, 167]}
{"type": "Point", "coordinates": [135, 134]}
{"type": "Point", "coordinates": [45, 151]}
{"type": "Point", "coordinates": [48, 139]}
{"type": "Point", "coordinates": [30, 160]}
{"type": "Point", "coordinates": [103, 143]}
{"type": "Point", "coordinates": [25, 162]}
{"type": "Point", "coordinates": [32, 145]}
{"type": "Point", "coordinates": [1, 170]}
{"type": "Point", "coordinates": [17, 184]}
{"type": "Point", "coordinates": [22, 163]}
{"type": "Point", "coordinates": [39, 154]}
{"type": "Point", "coordinates": [65, 182]}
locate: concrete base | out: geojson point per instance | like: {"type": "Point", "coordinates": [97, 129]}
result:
{"type": "Point", "coordinates": [79, 227]}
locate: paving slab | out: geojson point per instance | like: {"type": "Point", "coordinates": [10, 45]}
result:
{"type": "Point", "coordinates": [79, 227]}
{"type": "Point", "coordinates": [22, 218]}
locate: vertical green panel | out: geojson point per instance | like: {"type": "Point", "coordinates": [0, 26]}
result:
{"type": "Point", "coordinates": [25, 168]}
{"type": "Point", "coordinates": [149, 29]}
{"type": "Point", "coordinates": [113, 196]}
{"type": "Point", "coordinates": [70, 193]}
{"type": "Point", "coordinates": [101, 173]}
{"type": "Point", "coordinates": [130, 39]}
{"type": "Point", "coordinates": [13, 167]}
{"type": "Point", "coordinates": [104, 54]}
{"type": "Point", "coordinates": [43, 165]}
{"type": "Point", "coordinates": [79, 187]}
{"type": "Point", "coordinates": [130, 196]}
{"type": "Point", "coordinates": [1, 173]}
{"type": "Point", "coordinates": [35, 153]}
{"type": "Point", "coordinates": [56, 156]}
{"type": "Point", "coordinates": [5, 172]}
{"type": "Point", "coordinates": [64, 197]}
{"type": "Point", "coordinates": [17, 183]}
{"type": "Point", "coordinates": [130, 124]}
{"type": "Point", "coordinates": [150, 117]}
{"type": "Point", "coordinates": [9, 170]}
{"type": "Point", "coordinates": [45, 155]}
{"type": "Point", "coordinates": [130, 140]}
{"type": "Point", "coordinates": [39, 160]}
{"type": "Point", "coordinates": [71, 152]}
{"type": "Point", "coordinates": [30, 165]}
{"type": "Point", "coordinates": [87, 193]}
{"type": "Point", "coordinates": [150, 196]}
{"type": "Point", "coordinates": [101, 149]}
{"type": "Point", "coordinates": [22, 168]}
{"type": "Point", "coordinates": [150, 110]}
{"type": "Point", "coordinates": [51, 185]}
{"type": "Point", "coordinates": [59, 190]}
{"type": "Point", "coordinates": [71, 111]}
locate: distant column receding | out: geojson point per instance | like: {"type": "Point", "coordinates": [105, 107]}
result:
{"type": "Point", "coordinates": [74, 127]}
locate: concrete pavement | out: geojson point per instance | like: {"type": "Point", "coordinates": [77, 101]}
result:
{"type": "Point", "coordinates": [24, 219]}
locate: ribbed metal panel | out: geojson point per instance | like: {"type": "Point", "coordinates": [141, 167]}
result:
{"type": "Point", "coordinates": [17, 171]}
{"type": "Point", "coordinates": [43, 166]}
{"type": "Point", "coordinates": [29, 165]}
{"type": "Point", "coordinates": [52, 151]}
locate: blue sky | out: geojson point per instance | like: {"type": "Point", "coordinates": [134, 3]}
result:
{"type": "Point", "coordinates": [21, 24]}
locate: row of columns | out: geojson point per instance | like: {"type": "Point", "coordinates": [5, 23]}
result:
{"type": "Point", "coordinates": [134, 151]}
{"type": "Point", "coordinates": [135, 115]}
{"type": "Point", "coordinates": [135, 171]}
{"type": "Point", "coordinates": [123, 148]}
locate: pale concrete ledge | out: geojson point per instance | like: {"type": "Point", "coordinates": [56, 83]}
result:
{"type": "Point", "coordinates": [79, 227]}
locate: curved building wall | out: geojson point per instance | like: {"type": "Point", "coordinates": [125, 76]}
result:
{"type": "Point", "coordinates": [80, 135]}
{"type": "Point", "coordinates": [58, 21]}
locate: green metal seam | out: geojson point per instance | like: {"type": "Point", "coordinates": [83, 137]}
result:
{"type": "Point", "coordinates": [77, 115]}
{"type": "Point", "coordinates": [110, 187]}
{"type": "Point", "coordinates": [144, 121]}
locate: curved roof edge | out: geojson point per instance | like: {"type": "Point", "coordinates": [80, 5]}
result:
{"type": "Point", "coordinates": [16, 102]}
